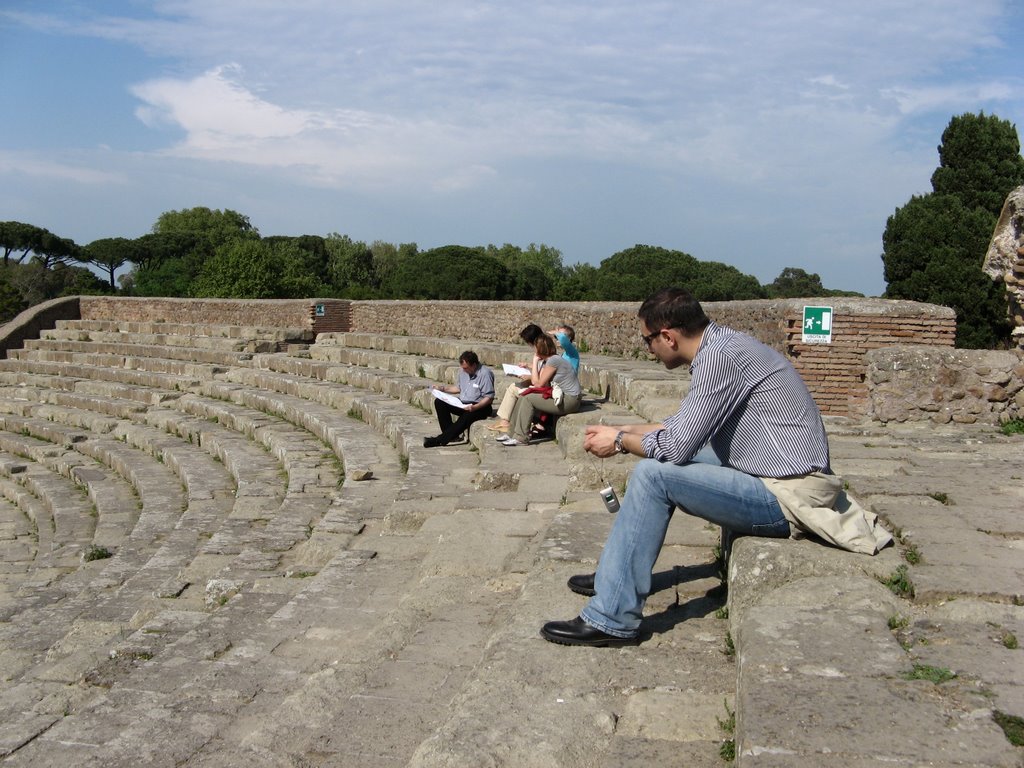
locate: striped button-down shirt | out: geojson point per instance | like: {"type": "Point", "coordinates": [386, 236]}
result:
{"type": "Point", "coordinates": [751, 405]}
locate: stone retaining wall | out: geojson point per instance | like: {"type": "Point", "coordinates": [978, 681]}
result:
{"type": "Point", "coordinates": [835, 373]}
{"type": "Point", "coordinates": [914, 383]}
{"type": "Point", "coordinates": [28, 324]}
{"type": "Point", "coordinates": [309, 316]}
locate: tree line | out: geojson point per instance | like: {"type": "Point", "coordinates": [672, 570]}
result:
{"type": "Point", "coordinates": [200, 253]}
{"type": "Point", "coordinates": [933, 250]}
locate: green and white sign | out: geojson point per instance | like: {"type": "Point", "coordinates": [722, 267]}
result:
{"type": "Point", "coordinates": [817, 325]}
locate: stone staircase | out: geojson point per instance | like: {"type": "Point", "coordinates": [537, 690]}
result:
{"type": "Point", "coordinates": [261, 605]}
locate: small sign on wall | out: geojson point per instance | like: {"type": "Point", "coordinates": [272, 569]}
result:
{"type": "Point", "coordinates": [320, 310]}
{"type": "Point", "coordinates": [817, 325]}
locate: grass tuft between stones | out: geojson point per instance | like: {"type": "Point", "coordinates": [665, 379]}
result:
{"type": "Point", "coordinates": [936, 675]}
{"type": "Point", "coordinates": [1012, 726]}
{"type": "Point", "coordinates": [899, 583]}
{"type": "Point", "coordinates": [727, 749]}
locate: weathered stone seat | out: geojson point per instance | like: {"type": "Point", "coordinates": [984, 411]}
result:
{"type": "Point", "coordinates": [641, 385]}
{"type": "Point", "coordinates": [211, 330]}
{"type": "Point", "coordinates": [418, 513]}
{"type": "Point", "coordinates": [132, 349]}
{"type": "Point", "coordinates": [146, 379]}
{"type": "Point", "coordinates": [184, 368]}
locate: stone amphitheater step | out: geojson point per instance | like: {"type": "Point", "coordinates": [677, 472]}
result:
{"type": "Point", "coordinates": [212, 330]}
{"type": "Point", "coordinates": [90, 659]}
{"type": "Point", "coordinates": [159, 381]}
{"type": "Point", "coordinates": [105, 360]}
{"type": "Point", "coordinates": [220, 337]}
{"type": "Point", "coordinates": [71, 517]}
{"type": "Point", "coordinates": [441, 607]}
{"type": "Point", "coordinates": [134, 350]}
{"type": "Point", "coordinates": [143, 652]}
{"type": "Point", "coordinates": [644, 386]}
{"type": "Point", "coordinates": [51, 638]}
{"type": "Point", "coordinates": [163, 419]}
{"type": "Point", "coordinates": [299, 375]}
{"type": "Point", "coordinates": [390, 373]}
{"type": "Point", "coordinates": [45, 387]}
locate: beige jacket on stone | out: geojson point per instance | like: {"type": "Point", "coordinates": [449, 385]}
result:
{"type": "Point", "coordinates": [817, 503]}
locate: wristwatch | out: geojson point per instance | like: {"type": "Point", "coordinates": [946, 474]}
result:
{"type": "Point", "coordinates": [618, 442]}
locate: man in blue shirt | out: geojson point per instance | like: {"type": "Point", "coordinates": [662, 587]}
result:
{"type": "Point", "coordinates": [566, 338]}
{"type": "Point", "coordinates": [475, 388]}
{"type": "Point", "coordinates": [747, 415]}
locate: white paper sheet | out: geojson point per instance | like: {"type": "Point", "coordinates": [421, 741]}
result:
{"type": "Point", "coordinates": [452, 400]}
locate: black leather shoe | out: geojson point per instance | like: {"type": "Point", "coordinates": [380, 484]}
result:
{"type": "Point", "coordinates": [578, 632]}
{"type": "Point", "coordinates": [582, 584]}
{"type": "Point", "coordinates": [431, 442]}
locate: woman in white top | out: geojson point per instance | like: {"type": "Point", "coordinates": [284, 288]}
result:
{"type": "Point", "coordinates": [530, 334]}
{"type": "Point", "coordinates": [551, 372]}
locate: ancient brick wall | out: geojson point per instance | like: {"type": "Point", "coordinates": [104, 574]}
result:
{"type": "Point", "coordinates": [835, 373]}
{"type": "Point", "coordinates": [306, 316]}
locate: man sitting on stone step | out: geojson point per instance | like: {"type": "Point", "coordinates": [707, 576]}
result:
{"type": "Point", "coordinates": [475, 390]}
{"type": "Point", "coordinates": [746, 450]}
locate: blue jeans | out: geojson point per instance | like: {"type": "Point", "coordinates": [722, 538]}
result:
{"type": "Point", "coordinates": [727, 497]}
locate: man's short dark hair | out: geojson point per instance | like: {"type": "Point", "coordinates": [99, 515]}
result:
{"type": "Point", "coordinates": [530, 333]}
{"type": "Point", "coordinates": [469, 358]}
{"type": "Point", "coordinates": [568, 331]}
{"type": "Point", "coordinates": [673, 308]}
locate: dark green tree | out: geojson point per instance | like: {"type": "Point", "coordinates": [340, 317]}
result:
{"type": "Point", "coordinates": [721, 282]}
{"type": "Point", "coordinates": [637, 272]}
{"type": "Point", "coordinates": [577, 283]}
{"type": "Point", "coordinates": [37, 283]}
{"type": "Point", "coordinates": [449, 272]}
{"type": "Point", "coordinates": [935, 245]}
{"type": "Point", "coordinates": [350, 266]}
{"type": "Point", "coordinates": [204, 230]}
{"type": "Point", "coordinates": [934, 248]}
{"type": "Point", "coordinates": [21, 238]}
{"type": "Point", "coordinates": [795, 283]}
{"type": "Point", "coordinates": [11, 300]}
{"type": "Point", "coordinates": [253, 269]}
{"type": "Point", "coordinates": [979, 161]}
{"type": "Point", "coordinates": [312, 253]}
{"type": "Point", "coordinates": [533, 273]}
{"type": "Point", "coordinates": [45, 247]}
{"type": "Point", "coordinates": [52, 250]}
{"type": "Point", "coordinates": [110, 254]}
{"type": "Point", "coordinates": [386, 257]}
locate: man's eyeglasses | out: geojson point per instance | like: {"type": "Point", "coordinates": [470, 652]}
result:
{"type": "Point", "coordinates": [650, 337]}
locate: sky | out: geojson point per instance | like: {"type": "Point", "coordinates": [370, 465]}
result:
{"type": "Point", "coordinates": [765, 135]}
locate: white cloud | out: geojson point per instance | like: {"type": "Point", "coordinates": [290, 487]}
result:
{"type": "Point", "coordinates": [816, 114]}
{"type": "Point", "coordinates": [34, 165]}
{"type": "Point", "coordinates": [215, 111]}
{"type": "Point", "coordinates": [952, 97]}
{"type": "Point", "coordinates": [830, 81]}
